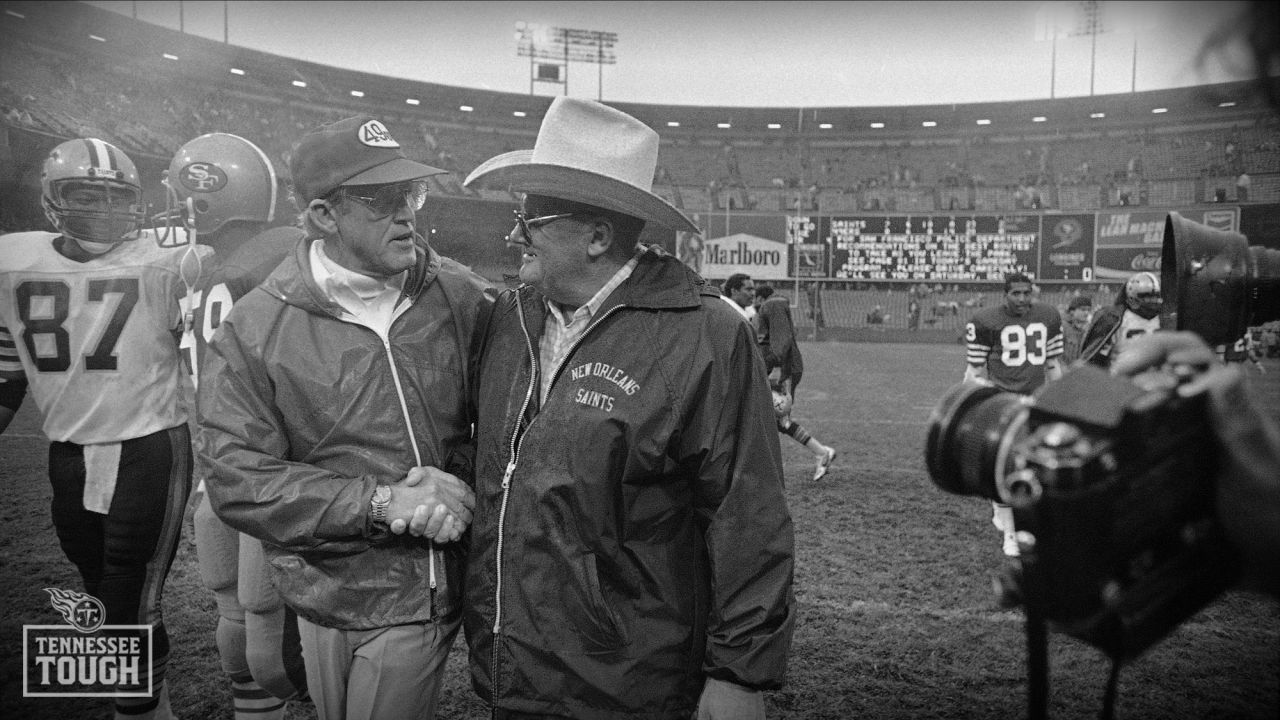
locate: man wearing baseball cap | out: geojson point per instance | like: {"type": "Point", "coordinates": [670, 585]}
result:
{"type": "Point", "coordinates": [1074, 324]}
{"type": "Point", "coordinates": [632, 552]}
{"type": "Point", "coordinates": [335, 423]}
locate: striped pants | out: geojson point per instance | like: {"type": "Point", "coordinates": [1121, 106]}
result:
{"type": "Point", "coordinates": [124, 556]}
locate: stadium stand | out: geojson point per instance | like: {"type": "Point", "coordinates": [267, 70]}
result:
{"type": "Point", "coordinates": [1029, 155]}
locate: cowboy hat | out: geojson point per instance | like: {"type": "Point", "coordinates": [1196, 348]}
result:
{"type": "Point", "coordinates": [589, 153]}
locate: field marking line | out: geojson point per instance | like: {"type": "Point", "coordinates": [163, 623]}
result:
{"type": "Point", "coordinates": [22, 436]}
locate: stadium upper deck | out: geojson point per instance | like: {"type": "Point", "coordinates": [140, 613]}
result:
{"type": "Point", "coordinates": [72, 69]}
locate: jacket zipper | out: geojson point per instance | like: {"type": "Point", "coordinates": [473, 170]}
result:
{"type": "Point", "coordinates": [404, 407]}
{"type": "Point", "coordinates": [413, 442]}
{"type": "Point", "coordinates": [517, 436]}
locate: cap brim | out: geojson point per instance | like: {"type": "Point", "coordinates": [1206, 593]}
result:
{"type": "Point", "coordinates": [515, 170]}
{"type": "Point", "coordinates": [393, 171]}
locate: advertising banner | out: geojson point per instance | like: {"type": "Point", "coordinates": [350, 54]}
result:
{"type": "Point", "coordinates": [1066, 247]}
{"type": "Point", "coordinates": [737, 243]}
{"type": "Point", "coordinates": [1130, 241]}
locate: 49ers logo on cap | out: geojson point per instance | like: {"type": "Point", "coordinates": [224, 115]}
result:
{"type": "Point", "coordinates": [374, 134]}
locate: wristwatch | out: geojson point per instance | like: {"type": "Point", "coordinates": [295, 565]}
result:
{"type": "Point", "coordinates": [379, 503]}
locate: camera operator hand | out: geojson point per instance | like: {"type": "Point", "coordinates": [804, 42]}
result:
{"type": "Point", "coordinates": [1248, 482]}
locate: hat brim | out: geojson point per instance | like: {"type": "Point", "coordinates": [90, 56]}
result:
{"type": "Point", "coordinates": [516, 170]}
{"type": "Point", "coordinates": [393, 171]}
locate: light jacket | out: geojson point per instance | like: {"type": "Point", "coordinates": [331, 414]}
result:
{"type": "Point", "coordinates": [631, 535]}
{"type": "Point", "coordinates": [303, 413]}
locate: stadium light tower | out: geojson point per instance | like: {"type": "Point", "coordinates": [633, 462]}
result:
{"type": "Point", "coordinates": [560, 46]}
{"type": "Point", "coordinates": [1062, 20]}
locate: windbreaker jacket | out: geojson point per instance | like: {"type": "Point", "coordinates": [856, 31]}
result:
{"type": "Point", "coordinates": [302, 413]}
{"type": "Point", "coordinates": [1099, 337]}
{"type": "Point", "coordinates": [631, 534]}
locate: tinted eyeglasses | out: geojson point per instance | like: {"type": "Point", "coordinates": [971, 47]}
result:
{"type": "Point", "coordinates": [383, 200]}
{"type": "Point", "coordinates": [527, 224]}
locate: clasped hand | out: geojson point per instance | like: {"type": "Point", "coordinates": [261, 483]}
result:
{"type": "Point", "coordinates": [431, 503]}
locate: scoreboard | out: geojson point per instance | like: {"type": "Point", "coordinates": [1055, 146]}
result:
{"type": "Point", "coordinates": [932, 247]}
{"type": "Point", "coordinates": [948, 247]}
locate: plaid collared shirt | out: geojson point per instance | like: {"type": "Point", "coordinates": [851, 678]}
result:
{"type": "Point", "coordinates": [558, 336]}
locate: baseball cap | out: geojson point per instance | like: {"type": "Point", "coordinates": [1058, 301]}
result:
{"type": "Point", "coordinates": [1080, 301]}
{"type": "Point", "coordinates": [355, 151]}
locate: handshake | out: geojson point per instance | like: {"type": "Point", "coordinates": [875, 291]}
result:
{"type": "Point", "coordinates": [430, 503]}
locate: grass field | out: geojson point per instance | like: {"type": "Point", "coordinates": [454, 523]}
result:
{"type": "Point", "coordinates": [896, 613]}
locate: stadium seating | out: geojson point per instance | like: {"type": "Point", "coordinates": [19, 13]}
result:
{"type": "Point", "coordinates": [58, 86]}
{"type": "Point", "coordinates": [54, 86]}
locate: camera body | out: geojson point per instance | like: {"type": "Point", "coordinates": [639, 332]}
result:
{"type": "Point", "coordinates": [1111, 485]}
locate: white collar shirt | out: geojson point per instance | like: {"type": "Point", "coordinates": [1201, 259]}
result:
{"type": "Point", "coordinates": [559, 335]}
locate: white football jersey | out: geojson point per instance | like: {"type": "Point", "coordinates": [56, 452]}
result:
{"type": "Point", "coordinates": [96, 339]}
{"type": "Point", "coordinates": [1132, 325]}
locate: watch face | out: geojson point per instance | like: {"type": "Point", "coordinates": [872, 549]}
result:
{"type": "Point", "coordinates": [382, 494]}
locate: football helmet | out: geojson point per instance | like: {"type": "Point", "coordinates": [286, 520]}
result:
{"type": "Point", "coordinates": [91, 164]}
{"type": "Point", "coordinates": [782, 404]}
{"type": "Point", "coordinates": [1142, 294]}
{"type": "Point", "coordinates": [226, 178]}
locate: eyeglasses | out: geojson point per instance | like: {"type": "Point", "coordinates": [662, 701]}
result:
{"type": "Point", "coordinates": [527, 224]}
{"type": "Point", "coordinates": [387, 199]}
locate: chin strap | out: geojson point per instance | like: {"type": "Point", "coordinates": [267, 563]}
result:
{"type": "Point", "coordinates": [189, 278]}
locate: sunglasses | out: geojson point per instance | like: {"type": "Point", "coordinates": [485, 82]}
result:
{"type": "Point", "coordinates": [387, 199]}
{"type": "Point", "coordinates": [528, 224]}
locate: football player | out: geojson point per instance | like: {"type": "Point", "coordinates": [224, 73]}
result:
{"type": "Point", "coordinates": [739, 291]}
{"type": "Point", "coordinates": [89, 317]}
{"type": "Point", "coordinates": [1246, 349]}
{"type": "Point", "coordinates": [1014, 346]}
{"type": "Point", "coordinates": [776, 335]}
{"type": "Point", "coordinates": [1136, 312]}
{"type": "Point", "coordinates": [223, 193]}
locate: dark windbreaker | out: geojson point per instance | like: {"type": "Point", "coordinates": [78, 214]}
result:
{"type": "Point", "coordinates": [631, 535]}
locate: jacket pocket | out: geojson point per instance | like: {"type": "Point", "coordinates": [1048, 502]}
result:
{"type": "Point", "coordinates": [299, 591]}
{"type": "Point", "coordinates": [607, 628]}
{"type": "Point", "coordinates": [583, 620]}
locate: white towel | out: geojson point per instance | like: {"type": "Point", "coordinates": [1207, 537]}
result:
{"type": "Point", "coordinates": [101, 465]}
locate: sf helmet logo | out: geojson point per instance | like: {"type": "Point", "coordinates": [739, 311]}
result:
{"type": "Point", "coordinates": [203, 177]}
{"type": "Point", "coordinates": [85, 612]}
{"type": "Point", "coordinates": [374, 134]}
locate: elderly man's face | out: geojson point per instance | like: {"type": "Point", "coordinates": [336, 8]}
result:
{"type": "Point", "coordinates": [553, 249]}
{"type": "Point", "coordinates": [375, 229]}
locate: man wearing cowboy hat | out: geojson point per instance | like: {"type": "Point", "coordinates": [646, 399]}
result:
{"type": "Point", "coordinates": [333, 399]}
{"type": "Point", "coordinates": [632, 551]}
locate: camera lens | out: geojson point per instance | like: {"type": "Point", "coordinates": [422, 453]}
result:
{"type": "Point", "coordinates": [967, 433]}
{"type": "Point", "coordinates": [1216, 284]}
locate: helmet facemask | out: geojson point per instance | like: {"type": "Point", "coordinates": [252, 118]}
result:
{"type": "Point", "coordinates": [1142, 294]}
{"type": "Point", "coordinates": [98, 213]}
